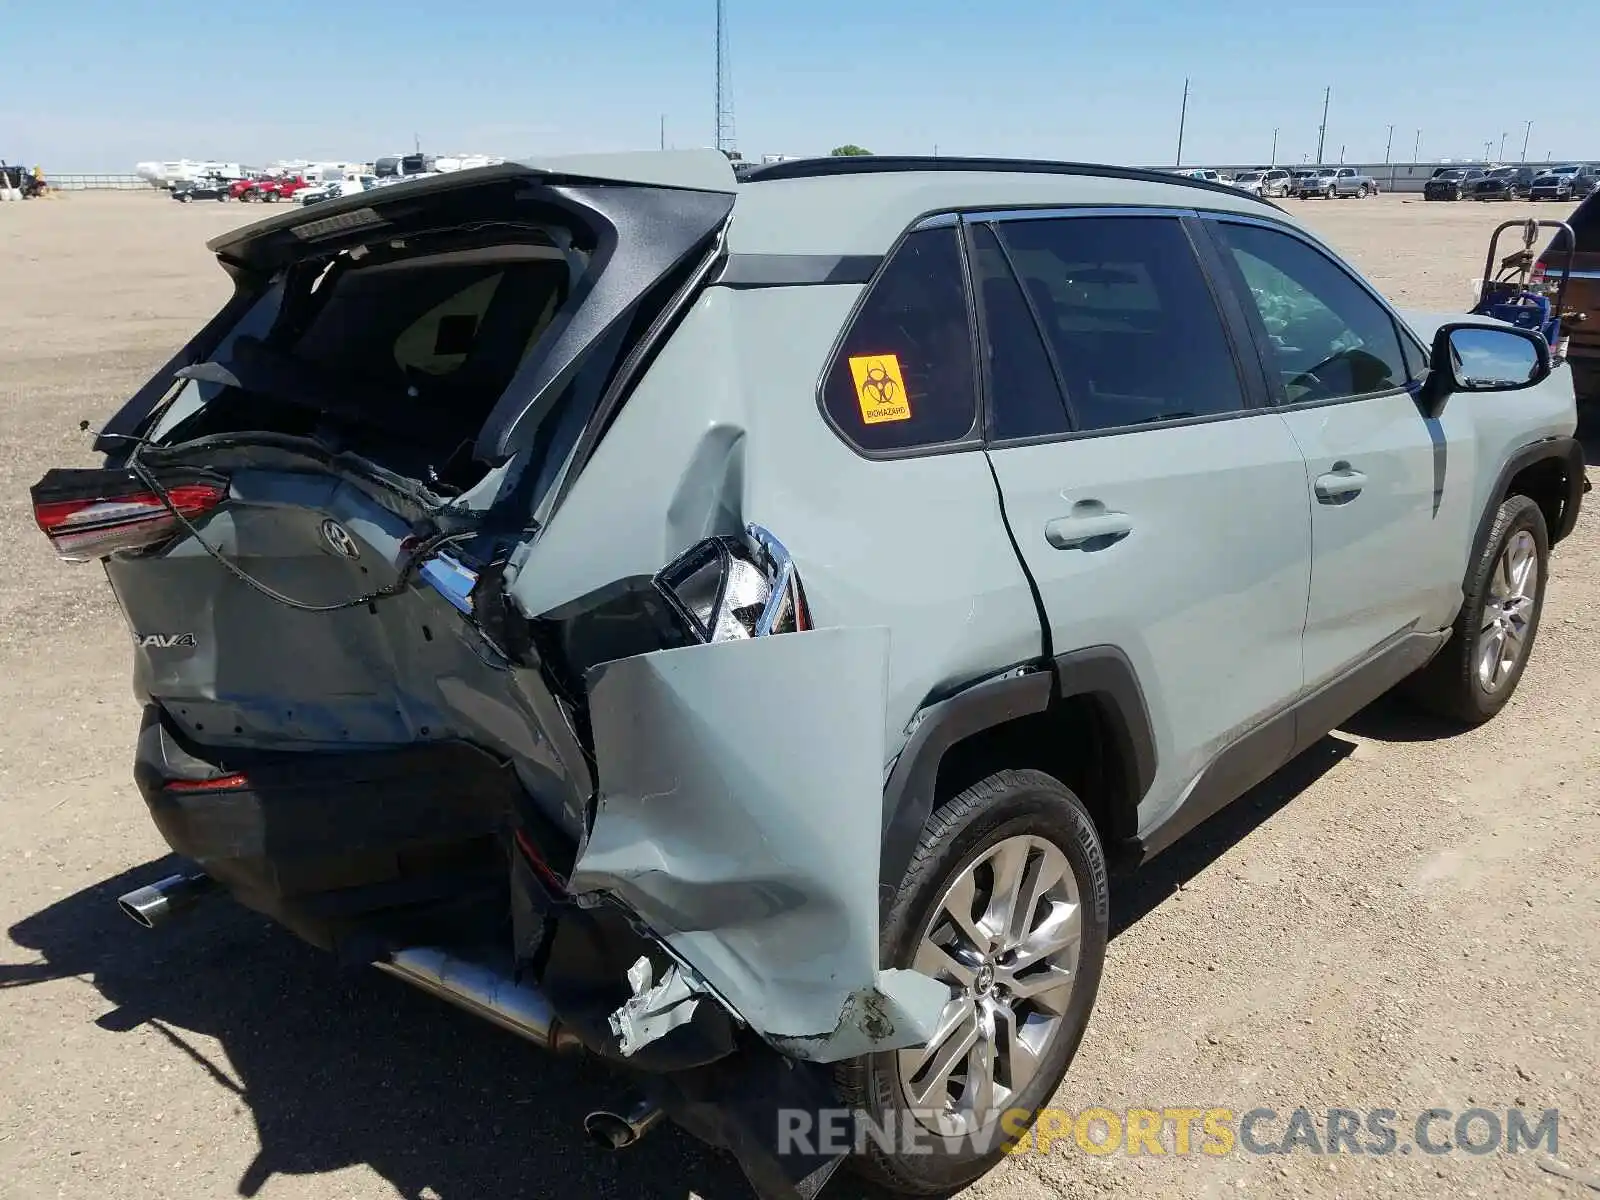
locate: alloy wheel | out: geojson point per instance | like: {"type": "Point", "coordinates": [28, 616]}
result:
{"type": "Point", "coordinates": [1508, 611]}
{"type": "Point", "coordinates": [1006, 938]}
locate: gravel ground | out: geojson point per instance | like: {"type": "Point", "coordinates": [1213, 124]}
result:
{"type": "Point", "coordinates": [1400, 919]}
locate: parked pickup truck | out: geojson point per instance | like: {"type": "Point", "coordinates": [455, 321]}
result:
{"type": "Point", "coordinates": [1329, 182]}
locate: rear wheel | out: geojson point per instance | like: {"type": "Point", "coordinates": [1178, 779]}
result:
{"type": "Point", "coordinates": [1364, 192]}
{"type": "Point", "coordinates": [1476, 673]}
{"type": "Point", "coordinates": [1006, 902]}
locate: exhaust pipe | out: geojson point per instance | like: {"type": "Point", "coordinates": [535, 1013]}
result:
{"type": "Point", "coordinates": [486, 991]}
{"type": "Point", "coordinates": [617, 1131]}
{"type": "Point", "coordinates": [165, 898]}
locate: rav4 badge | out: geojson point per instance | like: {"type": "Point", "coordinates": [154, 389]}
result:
{"type": "Point", "coordinates": [162, 641]}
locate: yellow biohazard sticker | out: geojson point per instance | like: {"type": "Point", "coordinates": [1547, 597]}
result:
{"type": "Point", "coordinates": [880, 388]}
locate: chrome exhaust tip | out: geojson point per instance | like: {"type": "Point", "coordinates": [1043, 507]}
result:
{"type": "Point", "coordinates": [617, 1131]}
{"type": "Point", "coordinates": [164, 899]}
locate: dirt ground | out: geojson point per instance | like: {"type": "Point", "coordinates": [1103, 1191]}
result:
{"type": "Point", "coordinates": [1400, 919]}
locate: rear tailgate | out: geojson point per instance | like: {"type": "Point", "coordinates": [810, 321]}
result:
{"type": "Point", "coordinates": [322, 597]}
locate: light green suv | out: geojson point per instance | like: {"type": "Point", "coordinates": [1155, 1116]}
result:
{"type": "Point", "coordinates": [735, 628]}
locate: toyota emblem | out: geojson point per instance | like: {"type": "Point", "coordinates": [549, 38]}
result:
{"type": "Point", "coordinates": [336, 536]}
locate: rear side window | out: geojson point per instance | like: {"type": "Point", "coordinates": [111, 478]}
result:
{"type": "Point", "coordinates": [1024, 397]}
{"type": "Point", "coordinates": [903, 376]}
{"type": "Point", "coordinates": [1129, 318]}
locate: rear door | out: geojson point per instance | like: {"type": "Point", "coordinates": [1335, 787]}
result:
{"type": "Point", "coordinates": [1159, 508]}
{"type": "Point", "coordinates": [1389, 486]}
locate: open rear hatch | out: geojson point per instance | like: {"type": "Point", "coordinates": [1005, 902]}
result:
{"type": "Point", "coordinates": [302, 512]}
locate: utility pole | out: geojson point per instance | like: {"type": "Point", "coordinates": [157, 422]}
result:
{"type": "Point", "coordinates": [1183, 117]}
{"type": "Point", "coordinates": [1274, 161]}
{"type": "Point", "coordinates": [1503, 137]}
{"type": "Point", "coordinates": [1388, 146]}
{"type": "Point", "coordinates": [416, 142]}
{"type": "Point", "coordinates": [1322, 130]}
{"type": "Point", "coordinates": [1416, 149]}
{"type": "Point", "coordinates": [1486, 146]}
{"type": "Point", "coordinates": [1527, 132]}
{"type": "Point", "coordinates": [663, 131]}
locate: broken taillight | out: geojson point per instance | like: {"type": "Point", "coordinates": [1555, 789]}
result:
{"type": "Point", "coordinates": [729, 588]}
{"type": "Point", "coordinates": [90, 514]}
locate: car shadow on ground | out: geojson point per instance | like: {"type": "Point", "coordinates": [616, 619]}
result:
{"type": "Point", "coordinates": [1134, 896]}
{"type": "Point", "coordinates": [344, 1066]}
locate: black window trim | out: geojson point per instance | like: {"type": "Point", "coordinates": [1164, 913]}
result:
{"type": "Point", "coordinates": [1258, 331]}
{"type": "Point", "coordinates": [973, 439]}
{"type": "Point", "coordinates": [1230, 314]}
{"type": "Point", "coordinates": [981, 309]}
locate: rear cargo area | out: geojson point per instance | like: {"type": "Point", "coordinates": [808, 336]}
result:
{"type": "Point", "coordinates": [305, 515]}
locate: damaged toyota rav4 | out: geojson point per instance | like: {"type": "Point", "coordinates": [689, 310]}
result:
{"type": "Point", "coordinates": [737, 628]}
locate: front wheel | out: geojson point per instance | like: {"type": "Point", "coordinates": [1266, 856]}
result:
{"type": "Point", "coordinates": [1006, 902]}
{"type": "Point", "coordinates": [1473, 677]}
{"type": "Point", "coordinates": [1364, 192]}
{"type": "Point", "coordinates": [1331, 194]}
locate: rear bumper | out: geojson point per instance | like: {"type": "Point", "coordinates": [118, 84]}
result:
{"type": "Point", "coordinates": [337, 846]}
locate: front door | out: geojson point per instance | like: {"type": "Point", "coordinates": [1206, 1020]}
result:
{"type": "Point", "coordinates": [1382, 489]}
{"type": "Point", "coordinates": [1157, 510]}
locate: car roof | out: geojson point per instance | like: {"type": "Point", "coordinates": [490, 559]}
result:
{"type": "Point", "coordinates": [862, 205]}
{"type": "Point", "coordinates": [834, 206]}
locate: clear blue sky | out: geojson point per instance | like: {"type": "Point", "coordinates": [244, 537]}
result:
{"type": "Point", "coordinates": [99, 85]}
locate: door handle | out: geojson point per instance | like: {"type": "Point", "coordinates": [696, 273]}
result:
{"type": "Point", "coordinates": [1073, 533]}
{"type": "Point", "coordinates": [1342, 483]}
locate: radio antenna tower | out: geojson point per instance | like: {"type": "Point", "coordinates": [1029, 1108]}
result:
{"type": "Point", "coordinates": [724, 87]}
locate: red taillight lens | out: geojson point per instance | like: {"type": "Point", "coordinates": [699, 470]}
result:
{"type": "Point", "coordinates": [85, 523]}
{"type": "Point", "coordinates": [222, 783]}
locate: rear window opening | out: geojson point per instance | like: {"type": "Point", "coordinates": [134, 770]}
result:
{"type": "Point", "coordinates": [395, 350]}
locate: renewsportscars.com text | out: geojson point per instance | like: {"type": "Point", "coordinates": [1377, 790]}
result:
{"type": "Point", "coordinates": [1184, 1130]}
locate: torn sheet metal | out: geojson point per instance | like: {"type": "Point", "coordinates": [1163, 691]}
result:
{"type": "Point", "coordinates": [740, 816]}
{"type": "Point", "coordinates": [655, 1009]}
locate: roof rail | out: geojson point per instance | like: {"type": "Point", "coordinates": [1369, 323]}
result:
{"type": "Point", "coordinates": [886, 164]}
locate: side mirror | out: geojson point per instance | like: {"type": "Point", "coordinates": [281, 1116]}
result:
{"type": "Point", "coordinates": [1484, 358]}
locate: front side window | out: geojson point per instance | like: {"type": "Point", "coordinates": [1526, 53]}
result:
{"type": "Point", "coordinates": [903, 377]}
{"type": "Point", "coordinates": [1129, 319]}
{"type": "Point", "coordinates": [1329, 338]}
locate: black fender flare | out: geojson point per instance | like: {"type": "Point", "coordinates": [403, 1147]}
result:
{"type": "Point", "coordinates": [1100, 671]}
{"type": "Point", "coordinates": [1563, 449]}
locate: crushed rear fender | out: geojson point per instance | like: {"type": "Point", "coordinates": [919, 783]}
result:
{"type": "Point", "coordinates": [740, 816]}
